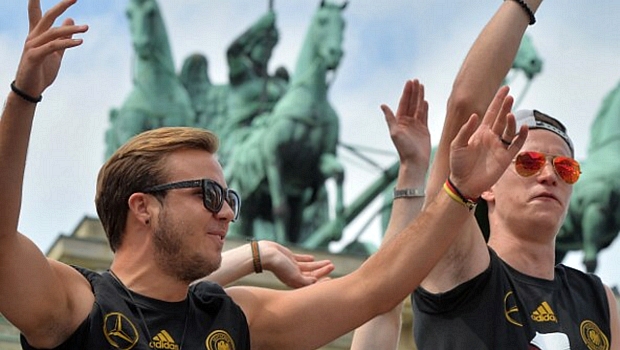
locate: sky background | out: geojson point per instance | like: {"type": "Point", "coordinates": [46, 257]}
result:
{"type": "Point", "coordinates": [385, 44]}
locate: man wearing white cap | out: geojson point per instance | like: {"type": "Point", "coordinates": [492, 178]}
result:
{"type": "Point", "coordinates": [508, 293]}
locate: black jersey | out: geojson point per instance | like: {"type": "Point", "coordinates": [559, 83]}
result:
{"type": "Point", "coordinates": [504, 309]}
{"type": "Point", "coordinates": [208, 319]}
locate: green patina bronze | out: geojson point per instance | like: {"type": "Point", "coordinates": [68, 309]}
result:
{"type": "Point", "coordinates": [158, 97]}
{"type": "Point", "coordinates": [291, 151]}
{"type": "Point", "coordinates": [253, 91]}
{"type": "Point", "coordinates": [280, 134]}
{"type": "Point", "coordinates": [230, 109]}
{"type": "Point", "coordinates": [279, 140]}
{"type": "Point", "coordinates": [593, 218]}
{"type": "Point", "coordinates": [209, 100]}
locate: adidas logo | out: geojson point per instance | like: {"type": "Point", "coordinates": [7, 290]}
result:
{"type": "Point", "coordinates": [544, 313]}
{"type": "Point", "coordinates": [163, 340]}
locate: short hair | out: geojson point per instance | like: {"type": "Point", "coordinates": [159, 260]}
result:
{"type": "Point", "coordinates": [137, 165]}
{"type": "Point", "coordinates": [534, 119]}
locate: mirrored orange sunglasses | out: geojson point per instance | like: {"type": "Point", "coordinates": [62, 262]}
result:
{"type": "Point", "coordinates": [530, 163]}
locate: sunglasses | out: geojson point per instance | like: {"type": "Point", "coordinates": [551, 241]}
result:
{"type": "Point", "coordinates": [213, 195]}
{"type": "Point", "coordinates": [531, 163]}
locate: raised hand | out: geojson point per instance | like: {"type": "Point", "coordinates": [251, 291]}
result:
{"type": "Point", "coordinates": [408, 128]}
{"type": "Point", "coordinates": [294, 270]}
{"type": "Point", "coordinates": [45, 46]}
{"type": "Point", "coordinates": [480, 154]}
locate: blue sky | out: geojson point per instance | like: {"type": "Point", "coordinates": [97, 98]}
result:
{"type": "Point", "coordinates": [385, 44]}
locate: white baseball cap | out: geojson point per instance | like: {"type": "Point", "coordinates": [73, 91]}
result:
{"type": "Point", "coordinates": [538, 120]}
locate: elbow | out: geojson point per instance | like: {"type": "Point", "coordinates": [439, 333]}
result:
{"type": "Point", "coordinates": [462, 101]}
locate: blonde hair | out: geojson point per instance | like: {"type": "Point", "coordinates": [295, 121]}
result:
{"type": "Point", "coordinates": [139, 164]}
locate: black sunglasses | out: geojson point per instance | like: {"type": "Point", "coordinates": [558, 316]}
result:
{"type": "Point", "coordinates": [213, 195]}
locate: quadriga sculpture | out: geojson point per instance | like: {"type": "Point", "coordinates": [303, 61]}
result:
{"type": "Point", "coordinates": [281, 167]}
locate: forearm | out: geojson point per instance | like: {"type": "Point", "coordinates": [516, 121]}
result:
{"type": "Point", "coordinates": [406, 208]}
{"type": "Point", "coordinates": [424, 240]}
{"type": "Point", "coordinates": [236, 263]}
{"type": "Point", "coordinates": [490, 58]}
{"type": "Point", "coordinates": [383, 331]}
{"type": "Point", "coordinates": [15, 129]}
{"type": "Point", "coordinates": [380, 333]}
{"type": "Point", "coordinates": [380, 284]}
{"type": "Point", "coordinates": [485, 66]}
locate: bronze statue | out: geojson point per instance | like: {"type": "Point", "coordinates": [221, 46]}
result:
{"type": "Point", "coordinates": [253, 91]}
{"type": "Point", "coordinates": [292, 150]}
{"type": "Point", "coordinates": [280, 133]}
{"type": "Point", "coordinates": [593, 218]}
{"type": "Point", "coordinates": [158, 98]}
{"type": "Point", "coordinates": [209, 101]}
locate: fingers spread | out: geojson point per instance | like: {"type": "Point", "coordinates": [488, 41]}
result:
{"type": "Point", "coordinates": [490, 117]}
{"type": "Point", "coordinates": [405, 98]}
{"type": "Point", "coordinates": [389, 115]}
{"type": "Point", "coordinates": [518, 142]}
{"type": "Point", "coordinates": [462, 138]}
{"type": "Point", "coordinates": [508, 133]}
{"type": "Point", "coordinates": [57, 39]}
{"type": "Point", "coordinates": [40, 24]}
{"type": "Point", "coordinates": [34, 13]}
{"type": "Point", "coordinates": [303, 257]}
{"type": "Point", "coordinates": [416, 96]}
{"type": "Point", "coordinates": [423, 112]}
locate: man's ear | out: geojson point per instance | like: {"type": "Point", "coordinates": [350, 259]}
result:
{"type": "Point", "coordinates": [488, 195]}
{"type": "Point", "coordinates": [141, 207]}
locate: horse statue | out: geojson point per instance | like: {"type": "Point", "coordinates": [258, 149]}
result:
{"type": "Point", "coordinates": [229, 109]}
{"type": "Point", "coordinates": [281, 167]}
{"type": "Point", "coordinates": [209, 100]}
{"type": "Point", "coordinates": [593, 217]}
{"type": "Point", "coordinates": [158, 97]}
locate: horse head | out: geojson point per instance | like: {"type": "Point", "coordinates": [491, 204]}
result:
{"type": "Point", "coordinates": [527, 59]}
{"type": "Point", "coordinates": [147, 28]}
{"type": "Point", "coordinates": [326, 31]}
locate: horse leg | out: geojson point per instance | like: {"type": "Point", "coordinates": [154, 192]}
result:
{"type": "Point", "coordinates": [279, 204]}
{"type": "Point", "coordinates": [296, 218]}
{"type": "Point", "coordinates": [593, 227]}
{"type": "Point", "coordinates": [331, 167]}
{"type": "Point", "coordinates": [340, 219]}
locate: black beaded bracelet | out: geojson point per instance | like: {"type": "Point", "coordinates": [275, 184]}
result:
{"type": "Point", "coordinates": [527, 10]}
{"type": "Point", "coordinates": [24, 95]}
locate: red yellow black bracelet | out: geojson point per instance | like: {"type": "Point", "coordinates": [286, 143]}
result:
{"type": "Point", "coordinates": [458, 197]}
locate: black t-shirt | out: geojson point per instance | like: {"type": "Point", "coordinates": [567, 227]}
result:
{"type": "Point", "coordinates": [208, 319]}
{"type": "Point", "coordinates": [504, 309]}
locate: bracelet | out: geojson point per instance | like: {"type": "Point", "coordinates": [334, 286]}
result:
{"type": "Point", "coordinates": [458, 197]}
{"type": "Point", "coordinates": [258, 266]}
{"type": "Point", "coordinates": [408, 193]}
{"type": "Point", "coordinates": [527, 10]}
{"type": "Point", "coordinates": [24, 95]}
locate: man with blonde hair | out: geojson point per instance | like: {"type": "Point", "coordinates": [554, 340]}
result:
{"type": "Point", "coordinates": [166, 209]}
